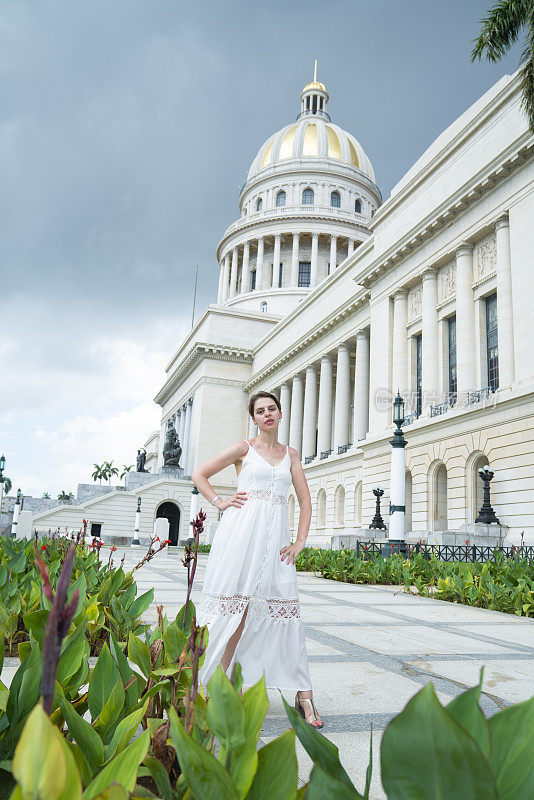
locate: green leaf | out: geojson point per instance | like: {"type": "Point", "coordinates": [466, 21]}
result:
{"type": "Point", "coordinates": [512, 751]}
{"type": "Point", "coordinates": [191, 612]}
{"type": "Point", "coordinates": [174, 640]}
{"type": "Point", "coordinates": [74, 653]}
{"type": "Point", "coordinates": [43, 765]}
{"type": "Point", "coordinates": [206, 777]}
{"type": "Point", "coordinates": [138, 653]}
{"type": "Point", "coordinates": [244, 760]}
{"type": "Point", "coordinates": [113, 792]}
{"type": "Point", "coordinates": [128, 596]}
{"type": "Point", "coordinates": [83, 734]}
{"type": "Point", "coordinates": [35, 623]}
{"type": "Point", "coordinates": [122, 769]}
{"type": "Point", "coordinates": [449, 762]}
{"type": "Point", "coordinates": [81, 584]}
{"type": "Point", "coordinates": [126, 672]}
{"type": "Point", "coordinates": [111, 711]}
{"type": "Point", "coordinates": [161, 778]}
{"type": "Point", "coordinates": [17, 564]}
{"type": "Point", "coordinates": [103, 679]}
{"type": "Point", "coordinates": [237, 678]}
{"type": "Point", "coordinates": [325, 756]}
{"type": "Point", "coordinates": [226, 715]}
{"type": "Point", "coordinates": [276, 775]}
{"type": "Point", "coordinates": [466, 710]}
{"type": "Point", "coordinates": [125, 730]}
{"type": "Point", "coordinates": [140, 604]}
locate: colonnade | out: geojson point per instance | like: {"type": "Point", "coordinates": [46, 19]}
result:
{"type": "Point", "coordinates": [468, 356]}
{"type": "Point", "coordinates": [316, 408]}
{"type": "Point", "coordinates": [240, 256]}
{"type": "Point", "coordinates": [182, 424]}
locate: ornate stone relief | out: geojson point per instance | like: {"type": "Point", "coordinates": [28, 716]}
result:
{"type": "Point", "coordinates": [415, 303]}
{"type": "Point", "coordinates": [485, 257]}
{"type": "Point", "coordinates": [446, 282]}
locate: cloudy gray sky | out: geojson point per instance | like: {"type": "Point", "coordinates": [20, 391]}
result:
{"type": "Point", "coordinates": [126, 130]}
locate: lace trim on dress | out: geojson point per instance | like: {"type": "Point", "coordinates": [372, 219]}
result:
{"type": "Point", "coordinates": [267, 608]}
{"type": "Point", "coordinates": [265, 494]}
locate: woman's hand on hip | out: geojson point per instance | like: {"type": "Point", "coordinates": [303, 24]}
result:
{"type": "Point", "coordinates": [289, 554]}
{"type": "Point", "coordinates": [238, 499]}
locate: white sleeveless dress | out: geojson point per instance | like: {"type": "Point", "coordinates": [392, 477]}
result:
{"type": "Point", "coordinates": [244, 569]}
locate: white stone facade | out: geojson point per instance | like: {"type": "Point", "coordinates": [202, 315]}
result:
{"type": "Point", "coordinates": [430, 295]}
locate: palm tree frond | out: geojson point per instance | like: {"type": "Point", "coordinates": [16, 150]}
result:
{"type": "Point", "coordinates": [527, 83]}
{"type": "Point", "coordinates": [500, 29]}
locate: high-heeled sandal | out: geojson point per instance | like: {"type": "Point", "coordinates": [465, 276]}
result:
{"type": "Point", "coordinates": [317, 723]}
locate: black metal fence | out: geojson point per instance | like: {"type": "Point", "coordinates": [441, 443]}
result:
{"type": "Point", "coordinates": [445, 552]}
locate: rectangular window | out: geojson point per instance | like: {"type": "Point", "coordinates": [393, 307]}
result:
{"type": "Point", "coordinates": [304, 273]}
{"type": "Point", "coordinates": [280, 275]}
{"type": "Point", "coordinates": [419, 374]}
{"type": "Point", "coordinates": [492, 343]}
{"type": "Point", "coordinates": [453, 382]}
{"type": "Point", "coordinates": [253, 280]}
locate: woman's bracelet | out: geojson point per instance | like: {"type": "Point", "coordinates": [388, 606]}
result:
{"type": "Point", "coordinates": [213, 499]}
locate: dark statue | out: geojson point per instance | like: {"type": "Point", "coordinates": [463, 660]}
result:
{"type": "Point", "coordinates": [171, 449]}
{"type": "Point", "coordinates": [141, 458]}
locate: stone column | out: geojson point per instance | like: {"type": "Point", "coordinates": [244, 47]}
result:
{"type": "Point", "coordinates": [314, 259]}
{"type": "Point", "coordinates": [295, 260]}
{"type": "Point", "coordinates": [350, 247]}
{"type": "Point", "coordinates": [505, 317]}
{"type": "Point", "coordinates": [400, 343]}
{"type": "Point", "coordinates": [324, 434]}
{"type": "Point", "coordinates": [310, 413]}
{"type": "Point", "coordinates": [285, 402]}
{"type": "Point", "coordinates": [333, 253]}
{"type": "Point", "coordinates": [295, 426]}
{"type": "Point", "coordinates": [221, 283]}
{"type": "Point", "coordinates": [226, 277]}
{"type": "Point", "coordinates": [177, 424]}
{"type": "Point", "coordinates": [259, 264]}
{"type": "Point", "coordinates": [251, 428]}
{"type": "Point", "coordinates": [233, 273]}
{"type": "Point", "coordinates": [430, 383]}
{"type": "Point", "coordinates": [465, 323]}
{"type": "Point", "coordinates": [182, 427]}
{"type": "Point", "coordinates": [245, 282]}
{"type": "Point", "coordinates": [276, 260]}
{"type": "Point", "coordinates": [380, 358]}
{"type": "Point", "coordinates": [361, 387]}
{"type": "Point", "coordinates": [187, 436]}
{"type": "Point", "coordinates": [342, 405]}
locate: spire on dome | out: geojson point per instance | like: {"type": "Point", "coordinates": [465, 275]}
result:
{"type": "Point", "coordinates": [314, 98]}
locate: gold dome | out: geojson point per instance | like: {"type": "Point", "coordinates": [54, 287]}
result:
{"type": "Point", "coordinates": [314, 85]}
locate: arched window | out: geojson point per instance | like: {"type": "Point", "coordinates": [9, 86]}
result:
{"type": "Point", "coordinates": [339, 502]}
{"type": "Point", "coordinates": [335, 200]}
{"type": "Point", "coordinates": [307, 197]}
{"type": "Point", "coordinates": [291, 511]}
{"type": "Point", "coordinates": [358, 206]}
{"type": "Point", "coordinates": [358, 504]}
{"type": "Point", "coordinates": [259, 204]}
{"type": "Point", "coordinates": [263, 306]}
{"type": "Point", "coordinates": [321, 508]}
{"type": "Point", "coordinates": [281, 198]}
{"type": "Point", "coordinates": [438, 500]}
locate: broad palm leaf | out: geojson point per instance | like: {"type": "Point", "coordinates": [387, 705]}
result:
{"type": "Point", "coordinates": [499, 31]}
{"type": "Point", "coordinates": [126, 469]}
{"type": "Point", "coordinates": [46, 496]}
{"type": "Point", "coordinates": [8, 483]}
{"type": "Point", "coordinates": [97, 473]}
{"type": "Point", "coordinates": [63, 495]}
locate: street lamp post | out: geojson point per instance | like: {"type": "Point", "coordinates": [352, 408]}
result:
{"type": "Point", "coordinates": [378, 523]}
{"type": "Point", "coordinates": [16, 512]}
{"type": "Point", "coordinates": [135, 540]}
{"type": "Point", "coordinates": [486, 513]}
{"type": "Point", "coordinates": [2, 467]}
{"type": "Point", "coordinates": [397, 491]}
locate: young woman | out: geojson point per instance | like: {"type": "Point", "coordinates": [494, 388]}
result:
{"type": "Point", "coordinates": [249, 598]}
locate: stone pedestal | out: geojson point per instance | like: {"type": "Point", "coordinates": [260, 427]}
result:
{"type": "Point", "coordinates": [479, 534]}
{"type": "Point", "coordinates": [174, 473]}
{"type": "Point", "coordinates": [366, 535]}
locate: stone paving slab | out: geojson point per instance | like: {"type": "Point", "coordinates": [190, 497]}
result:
{"type": "Point", "coordinates": [371, 648]}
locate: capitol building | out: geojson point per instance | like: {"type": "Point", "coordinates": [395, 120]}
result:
{"type": "Point", "coordinates": [334, 298]}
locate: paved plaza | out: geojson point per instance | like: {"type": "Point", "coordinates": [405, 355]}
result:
{"type": "Point", "coordinates": [371, 648]}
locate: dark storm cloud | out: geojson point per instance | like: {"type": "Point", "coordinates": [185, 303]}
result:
{"type": "Point", "coordinates": [127, 129]}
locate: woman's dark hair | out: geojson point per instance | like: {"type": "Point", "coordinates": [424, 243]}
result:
{"type": "Point", "coordinates": [257, 397]}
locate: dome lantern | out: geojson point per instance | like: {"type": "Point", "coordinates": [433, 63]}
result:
{"type": "Point", "coordinates": [314, 98]}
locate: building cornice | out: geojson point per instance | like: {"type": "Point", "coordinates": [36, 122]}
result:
{"type": "Point", "coordinates": [464, 198]}
{"type": "Point", "coordinates": [199, 352]}
{"type": "Point", "coordinates": [316, 332]}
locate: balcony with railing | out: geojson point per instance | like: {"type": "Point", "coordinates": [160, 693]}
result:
{"type": "Point", "coordinates": [280, 212]}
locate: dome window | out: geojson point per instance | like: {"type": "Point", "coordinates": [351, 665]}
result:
{"type": "Point", "coordinates": [358, 206]}
{"type": "Point", "coordinates": [307, 197]}
{"type": "Point", "coordinates": [281, 198]}
{"type": "Point", "coordinates": [259, 204]}
{"type": "Point", "coordinates": [263, 307]}
{"type": "Point", "coordinates": [335, 200]}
